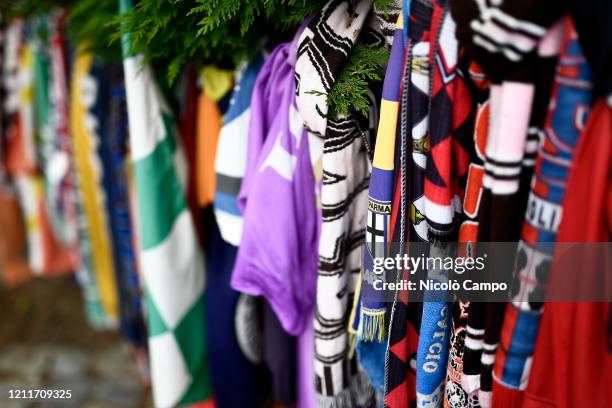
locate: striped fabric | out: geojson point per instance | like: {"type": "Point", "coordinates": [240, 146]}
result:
{"type": "Point", "coordinates": [567, 116]}
{"type": "Point", "coordinates": [502, 34]}
{"type": "Point", "coordinates": [340, 162]}
{"type": "Point", "coordinates": [511, 146]}
{"type": "Point", "coordinates": [368, 318]}
{"type": "Point", "coordinates": [97, 253]}
{"type": "Point", "coordinates": [114, 154]}
{"type": "Point", "coordinates": [372, 319]}
{"type": "Point", "coordinates": [170, 256]}
{"type": "Point", "coordinates": [60, 174]}
{"type": "Point", "coordinates": [408, 219]}
{"type": "Point", "coordinates": [231, 157]}
{"type": "Point", "coordinates": [45, 254]}
{"type": "Point", "coordinates": [455, 395]}
{"type": "Point", "coordinates": [451, 123]}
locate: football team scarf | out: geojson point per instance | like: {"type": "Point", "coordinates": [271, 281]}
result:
{"type": "Point", "coordinates": [85, 266]}
{"type": "Point", "coordinates": [432, 351]}
{"type": "Point", "coordinates": [46, 255]}
{"type": "Point", "coordinates": [170, 256]}
{"type": "Point", "coordinates": [13, 243]}
{"type": "Point", "coordinates": [88, 126]}
{"type": "Point", "coordinates": [572, 360]}
{"type": "Point", "coordinates": [3, 178]}
{"type": "Point", "coordinates": [450, 126]}
{"type": "Point", "coordinates": [336, 149]}
{"type": "Point", "coordinates": [113, 152]}
{"type": "Point", "coordinates": [407, 219]}
{"type": "Point", "coordinates": [22, 244]}
{"type": "Point", "coordinates": [478, 350]}
{"type": "Point", "coordinates": [455, 396]}
{"type": "Point", "coordinates": [44, 133]}
{"type": "Point", "coordinates": [51, 118]}
{"type": "Point", "coordinates": [230, 162]}
{"type": "Point", "coordinates": [567, 115]}
{"type": "Point", "coordinates": [508, 57]}
{"type": "Point", "coordinates": [60, 172]}
{"type": "Point", "coordinates": [506, 186]}
{"type": "Point", "coordinates": [372, 318]}
{"type": "Point", "coordinates": [451, 123]}
{"type": "Point", "coordinates": [415, 117]}
{"type": "Point", "coordinates": [370, 324]}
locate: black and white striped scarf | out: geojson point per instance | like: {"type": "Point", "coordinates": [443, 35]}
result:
{"type": "Point", "coordinates": [341, 163]}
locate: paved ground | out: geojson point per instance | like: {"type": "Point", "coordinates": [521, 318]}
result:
{"type": "Point", "coordinates": [45, 342]}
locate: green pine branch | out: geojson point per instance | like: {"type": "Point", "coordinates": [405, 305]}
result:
{"type": "Point", "coordinates": [173, 33]}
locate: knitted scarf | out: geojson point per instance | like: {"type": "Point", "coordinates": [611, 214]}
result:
{"type": "Point", "coordinates": [455, 396]}
{"type": "Point", "coordinates": [324, 47]}
{"type": "Point", "coordinates": [380, 194]}
{"type": "Point", "coordinates": [567, 115]}
{"type": "Point", "coordinates": [60, 191]}
{"type": "Point", "coordinates": [370, 312]}
{"type": "Point", "coordinates": [27, 98]}
{"type": "Point", "coordinates": [508, 56]}
{"type": "Point", "coordinates": [407, 213]}
{"type": "Point", "coordinates": [451, 120]}
{"type": "Point", "coordinates": [95, 242]}
{"type": "Point", "coordinates": [572, 360]}
{"type": "Point", "coordinates": [114, 155]}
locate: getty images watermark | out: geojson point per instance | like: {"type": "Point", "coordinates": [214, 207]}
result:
{"type": "Point", "coordinates": [458, 265]}
{"type": "Point", "coordinates": [490, 272]}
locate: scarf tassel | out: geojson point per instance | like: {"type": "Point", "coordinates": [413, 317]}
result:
{"type": "Point", "coordinates": [373, 325]}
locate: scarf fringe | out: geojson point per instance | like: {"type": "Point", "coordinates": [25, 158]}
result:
{"type": "Point", "coordinates": [359, 394]}
{"type": "Point", "coordinates": [373, 325]}
{"type": "Point", "coordinates": [353, 332]}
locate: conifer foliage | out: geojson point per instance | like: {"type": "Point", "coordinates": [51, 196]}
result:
{"type": "Point", "coordinates": [174, 33]}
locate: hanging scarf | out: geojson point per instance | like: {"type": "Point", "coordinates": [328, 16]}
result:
{"type": "Point", "coordinates": [509, 164]}
{"type": "Point", "coordinates": [508, 56]}
{"type": "Point", "coordinates": [567, 115]}
{"type": "Point", "coordinates": [13, 243]}
{"type": "Point", "coordinates": [407, 217]}
{"type": "Point", "coordinates": [170, 255]}
{"type": "Point", "coordinates": [88, 125]}
{"type": "Point", "coordinates": [450, 121]}
{"type": "Point", "coordinates": [372, 319]}
{"type": "Point", "coordinates": [60, 172]}
{"type": "Point", "coordinates": [45, 254]}
{"type": "Point", "coordinates": [230, 162]}
{"type": "Point", "coordinates": [455, 396]}
{"type": "Point", "coordinates": [337, 150]}
{"type": "Point", "coordinates": [113, 152]}
{"type": "Point", "coordinates": [572, 359]}
{"type": "Point", "coordinates": [368, 317]}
